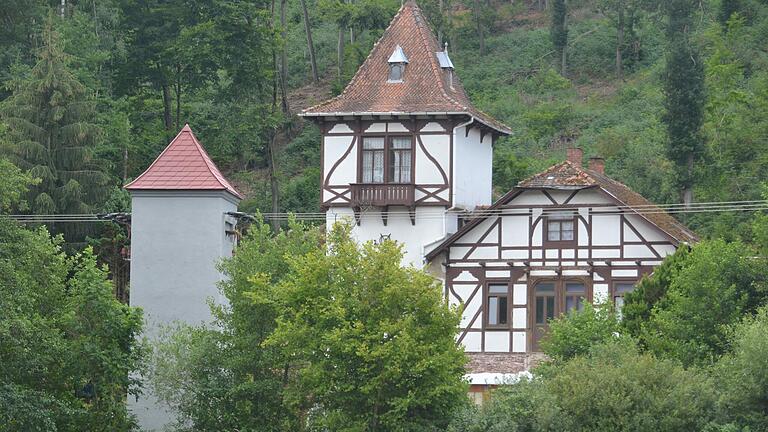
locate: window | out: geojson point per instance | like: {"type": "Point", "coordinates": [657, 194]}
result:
{"type": "Point", "coordinates": [560, 230]}
{"type": "Point", "coordinates": [396, 72]}
{"type": "Point", "coordinates": [575, 294]}
{"type": "Point", "coordinates": [395, 153]}
{"type": "Point", "coordinates": [497, 305]}
{"type": "Point", "coordinates": [619, 289]}
{"type": "Point", "coordinates": [400, 160]}
{"type": "Point", "coordinates": [373, 160]}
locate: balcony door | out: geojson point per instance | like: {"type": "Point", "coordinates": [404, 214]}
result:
{"type": "Point", "coordinates": [550, 299]}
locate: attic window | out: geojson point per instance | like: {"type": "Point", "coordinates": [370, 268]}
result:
{"type": "Point", "coordinates": [397, 62]}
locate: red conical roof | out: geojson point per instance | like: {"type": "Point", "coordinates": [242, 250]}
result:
{"type": "Point", "coordinates": [183, 165]}
{"type": "Point", "coordinates": [425, 87]}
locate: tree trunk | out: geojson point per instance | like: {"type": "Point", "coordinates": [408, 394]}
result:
{"type": "Point", "coordinates": [178, 96]}
{"type": "Point", "coordinates": [283, 61]}
{"type": "Point", "coordinates": [564, 54]}
{"type": "Point", "coordinates": [167, 118]}
{"type": "Point", "coordinates": [63, 8]}
{"type": "Point", "coordinates": [688, 185]}
{"type": "Point", "coordinates": [620, 41]}
{"type": "Point", "coordinates": [273, 184]}
{"type": "Point", "coordinates": [310, 45]}
{"type": "Point", "coordinates": [340, 51]}
{"type": "Point", "coordinates": [440, 7]}
{"type": "Point", "coordinates": [479, 24]}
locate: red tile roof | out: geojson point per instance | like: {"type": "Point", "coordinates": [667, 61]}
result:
{"type": "Point", "coordinates": [567, 175]}
{"type": "Point", "coordinates": [426, 88]}
{"type": "Point", "coordinates": [183, 165]}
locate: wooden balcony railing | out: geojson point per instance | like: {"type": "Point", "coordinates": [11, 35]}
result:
{"type": "Point", "coordinates": [382, 194]}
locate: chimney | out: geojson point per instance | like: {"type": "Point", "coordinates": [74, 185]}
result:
{"type": "Point", "coordinates": [574, 155]}
{"type": "Point", "coordinates": [597, 164]}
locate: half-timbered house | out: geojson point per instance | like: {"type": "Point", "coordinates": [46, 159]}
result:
{"type": "Point", "coordinates": [562, 237]}
{"type": "Point", "coordinates": [406, 156]}
{"type": "Point", "coordinates": [402, 144]}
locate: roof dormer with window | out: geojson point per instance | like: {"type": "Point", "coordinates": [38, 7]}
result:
{"type": "Point", "coordinates": [402, 143]}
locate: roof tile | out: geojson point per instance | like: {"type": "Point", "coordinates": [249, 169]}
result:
{"type": "Point", "coordinates": [426, 87]}
{"type": "Point", "coordinates": [183, 165]}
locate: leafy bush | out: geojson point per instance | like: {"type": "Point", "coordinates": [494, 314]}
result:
{"type": "Point", "coordinates": [575, 333]}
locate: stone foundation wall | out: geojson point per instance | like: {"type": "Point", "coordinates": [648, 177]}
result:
{"type": "Point", "coordinates": [502, 362]}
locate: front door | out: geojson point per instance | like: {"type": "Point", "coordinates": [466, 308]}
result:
{"type": "Point", "coordinates": [551, 298]}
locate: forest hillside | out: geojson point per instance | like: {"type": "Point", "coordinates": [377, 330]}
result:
{"type": "Point", "coordinates": [94, 90]}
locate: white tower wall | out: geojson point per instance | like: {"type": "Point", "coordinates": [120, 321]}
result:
{"type": "Point", "coordinates": [178, 237]}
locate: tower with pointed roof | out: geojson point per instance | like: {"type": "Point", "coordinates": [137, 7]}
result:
{"type": "Point", "coordinates": [180, 229]}
{"type": "Point", "coordinates": [404, 151]}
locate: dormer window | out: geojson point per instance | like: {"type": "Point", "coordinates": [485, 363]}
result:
{"type": "Point", "coordinates": [397, 62]}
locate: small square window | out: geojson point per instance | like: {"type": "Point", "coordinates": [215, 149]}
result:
{"type": "Point", "coordinates": [561, 230]}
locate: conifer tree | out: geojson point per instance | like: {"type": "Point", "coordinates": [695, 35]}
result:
{"type": "Point", "coordinates": [684, 91]}
{"type": "Point", "coordinates": [51, 134]}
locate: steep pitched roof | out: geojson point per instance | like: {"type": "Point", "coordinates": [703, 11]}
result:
{"type": "Point", "coordinates": [183, 165]}
{"type": "Point", "coordinates": [426, 87]}
{"type": "Point", "coordinates": [567, 175]}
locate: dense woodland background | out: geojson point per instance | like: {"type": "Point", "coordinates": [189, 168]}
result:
{"type": "Point", "coordinates": [673, 93]}
{"type": "Point", "coordinates": [94, 90]}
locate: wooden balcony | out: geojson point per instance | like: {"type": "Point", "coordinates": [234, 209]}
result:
{"type": "Point", "coordinates": [382, 194]}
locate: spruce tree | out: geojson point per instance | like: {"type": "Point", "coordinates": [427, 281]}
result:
{"type": "Point", "coordinates": [49, 118]}
{"type": "Point", "coordinates": [684, 92]}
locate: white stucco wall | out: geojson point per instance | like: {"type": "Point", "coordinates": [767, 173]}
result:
{"type": "Point", "coordinates": [472, 166]}
{"type": "Point", "coordinates": [431, 226]}
{"type": "Point", "coordinates": [177, 238]}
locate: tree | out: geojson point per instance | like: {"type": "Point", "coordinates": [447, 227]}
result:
{"type": "Point", "coordinates": [373, 342]}
{"type": "Point", "coordinates": [224, 377]}
{"type": "Point", "coordinates": [614, 387]}
{"type": "Point", "coordinates": [559, 31]}
{"type": "Point", "coordinates": [51, 135]}
{"type": "Point", "coordinates": [743, 374]}
{"type": "Point", "coordinates": [310, 44]}
{"type": "Point", "coordinates": [713, 287]}
{"type": "Point", "coordinates": [625, 15]}
{"type": "Point", "coordinates": [14, 185]}
{"type": "Point", "coordinates": [67, 347]}
{"type": "Point", "coordinates": [684, 92]}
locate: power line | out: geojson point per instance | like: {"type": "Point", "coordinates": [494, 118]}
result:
{"type": "Point", "coordinates": [645, 209]}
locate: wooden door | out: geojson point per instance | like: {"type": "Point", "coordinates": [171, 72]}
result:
{"type": "Point", "coordinates": [544, 309]}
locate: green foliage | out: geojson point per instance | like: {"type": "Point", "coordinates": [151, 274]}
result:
{"type": "Point", "coordinates": [743, 374]}
{"type": "Point", "coordinates": [50, 133]}
{"type": "Point", "coordinates": [373, 342]}
{"type": "Point", "coordinates": [684, 91]}
{"type": "Point", "coordinates": [575, 333]}
{"type": "Point", "coordinates": [14, 185]}
{"type": "Point", "coordinates": [347, 340]}
{"type": "Point", "coordinates": [559, 29]}
{"type": "Point", "coordinates": [204, 372]}
{"type": "Point", "coordinates": [612, 388]}
{"type": "Point", "coordinates": [67, 347]}
{"type": "Point", "coordinates": [694, 298]}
